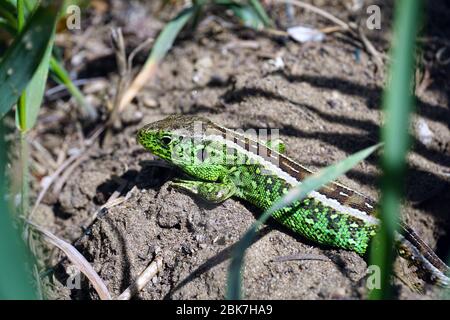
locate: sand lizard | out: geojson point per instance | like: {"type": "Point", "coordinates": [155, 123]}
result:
{"type": "Point", "coordinates": [223, 163]}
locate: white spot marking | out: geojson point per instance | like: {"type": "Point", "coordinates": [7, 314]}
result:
{"type": "Point", "coordinates": [292, 168]}
{"type": "Point", "coordinates": [368, 206]}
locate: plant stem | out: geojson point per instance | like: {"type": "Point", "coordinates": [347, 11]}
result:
{"type": "Point", "coordinates": [20, 15]}
{"type": "Point", "coordinates": [63, 76]}
{"type": "Point", "coordinates": [22, 99]}
{"type": "Point", "coordinates": [22, 127]}
{"type": "Point", "coordinates": [15, 276]}
{"type": "Point", "coordinates": [24, 171]}
{"type": "Point", "coordinates": [398, 105]}
{"type": "Point", "coordinates": [261, 13]}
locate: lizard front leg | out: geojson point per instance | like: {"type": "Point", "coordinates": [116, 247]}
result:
{"type": "Point", "coordinates": [215, 192]}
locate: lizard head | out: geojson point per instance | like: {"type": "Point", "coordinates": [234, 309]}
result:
{"type": "Point", "coordinates": [173, 138]}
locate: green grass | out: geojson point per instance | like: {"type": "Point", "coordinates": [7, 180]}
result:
{"type": "Point", "coordinates": [15, 274]}
{"type": "Point", "coordinates": [24, 70]}
{"type": "Point", "coordinates": [398, 104]}
{"type": "Point", "coordinates": [251, 14]}
{"type": "Point", "coordinates": [254, 16]}
{"type": "Point", "coordinates": [23, 73]}
{"type": "Point", "coordinates": [15, 14]}
{"type": "Point", "coordinates": [24, 56]}
{"type": "Point", "coordinates": [62, 76]}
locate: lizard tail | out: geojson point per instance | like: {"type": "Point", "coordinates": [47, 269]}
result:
{"type": "Point", "coordinates": [420, 255]}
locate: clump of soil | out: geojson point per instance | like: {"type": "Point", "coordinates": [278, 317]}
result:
{"type": "Point", "coordinates": [324, 97]}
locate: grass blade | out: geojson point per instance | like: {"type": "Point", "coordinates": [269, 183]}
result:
{"type": "Point", "coordinates": [168, 35]}
{"type": "Point", "coordinates": [8, 12]}
{"type": "Point", "coordinates": [63, 77]}
{"type": "Point", "coordinates": [22, 59]}
{"type": "Point", "coordinates": [15, 276]}
{"type": "Point", "coordinates": [397, 104]}
{"type": "Point", "coordinates": [248, 16]}
{"type": "Point", "coordinates": [297, 193]}
{"type": "Point", "coordinates": [246, 13]}
{"type": "Point", "coordinates": [34, 93]}
{"type": "Point", "coordinates": [77, 259]}
{"type": "Point", "coordinates": [20, 14]}
{"type": "Point", "coordinates": [6, 27]}
{"type": "Point", "coordinates": [261, 12]}
{"type": "Point", "coordinates": [162, 45]}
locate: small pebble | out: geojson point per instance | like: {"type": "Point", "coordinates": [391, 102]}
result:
{"type": "Point", "coordinates": [149, 101]}
{"type": "Point", "coordinates": [424, 133]}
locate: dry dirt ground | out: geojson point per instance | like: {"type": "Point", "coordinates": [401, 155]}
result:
{"type": "Point", "coordinates": [326, 100]}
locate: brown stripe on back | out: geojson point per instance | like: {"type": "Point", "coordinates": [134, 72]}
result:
{"type": "Point", "coordinates": [244, 141]}
{"type": "Point", "coordinates": [212, 129]}
{"type": "Point", "coordinates": [423, 248]}
{"type": "Point", "coordinates": [339, 192]}
{"type": "Point", "coordinates": [350, 198]}
{"type": "Point", "coordinates": [336, 191]}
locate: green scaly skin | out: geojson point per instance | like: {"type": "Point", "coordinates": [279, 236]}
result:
{"type": "Point", "coordinates": [219, 172]}
{"type": "Point", "coordinates": [223, 173]}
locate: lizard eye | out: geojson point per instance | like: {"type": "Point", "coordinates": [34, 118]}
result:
{"type": "Point", "coordinates": [166, 140]}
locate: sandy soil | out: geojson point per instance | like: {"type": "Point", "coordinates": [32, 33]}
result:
{"type": "Point", "coordinates": [325, 99]}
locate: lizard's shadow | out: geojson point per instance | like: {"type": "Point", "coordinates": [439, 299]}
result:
{"type": "Point", "coordinates": [150, 176]}
{"type": "Point", "coordinates": [326, 250]}
{"type": "Point", "coordinates": [154, 176]}
{"type": "Point", "coordinates": [271, 224]}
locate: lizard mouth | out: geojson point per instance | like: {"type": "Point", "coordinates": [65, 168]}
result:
{"type": "Point", "coordinates": [140, 136]}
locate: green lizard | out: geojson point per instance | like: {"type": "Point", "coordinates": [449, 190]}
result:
{"type": "Point", "coordinates": [224, 163]}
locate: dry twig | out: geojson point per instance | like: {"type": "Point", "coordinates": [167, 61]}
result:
{"type": "Point", "coordinates": [77, 259]}
{"type": "Point", "coordinates": [143, 279]}
{"type": "Point", "coordinates": [123, 71]}
{"type": "Point", "coordinates": [318, 11]}
{"type": "Point", "coordinates": [88, 143]}
{"type": "Point", "coordinates": [113, 201]}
